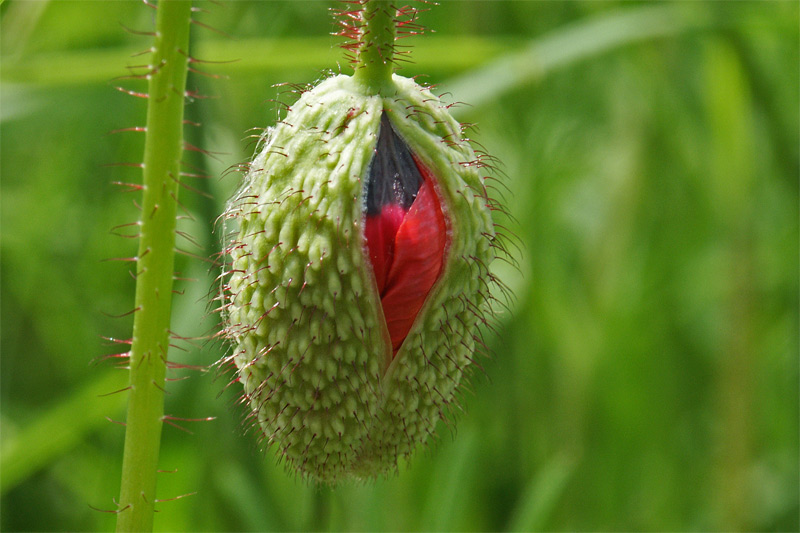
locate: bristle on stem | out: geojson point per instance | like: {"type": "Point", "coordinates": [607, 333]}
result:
{"type": "Point", "coordinates": [376, 50]}
{"type": "Point", "coordinates": [163, 147]}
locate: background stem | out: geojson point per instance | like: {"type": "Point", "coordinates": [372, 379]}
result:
{"type": "Point", "coordinates": [375, 55]}
{"type": "Point", "coordinates": [320, 517]}
{"type": "Point", "coordinates": [154, 269]}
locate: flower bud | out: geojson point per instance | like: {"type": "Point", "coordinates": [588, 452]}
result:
{"type": "Point", "coordinates": [358, 276]}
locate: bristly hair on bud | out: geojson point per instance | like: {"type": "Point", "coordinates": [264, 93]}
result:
{"type": "Point", "coordinates": [358, 281]}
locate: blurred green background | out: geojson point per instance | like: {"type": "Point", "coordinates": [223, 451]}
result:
{"type": "Point", "coordinates": [646, 377]}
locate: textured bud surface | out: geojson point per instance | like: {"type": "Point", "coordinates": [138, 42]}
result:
{"type": "Point", "coordinates": [337, 389]}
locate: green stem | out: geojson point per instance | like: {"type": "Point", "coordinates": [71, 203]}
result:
{"type": "Point", "coordinates": [154, 267]}
{"type": "Point", "coordinates": [320, 516]}
{"type": "Point", "coordinates": [375, 60]}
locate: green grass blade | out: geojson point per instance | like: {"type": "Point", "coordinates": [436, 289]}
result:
{"type": "Point", "coordinates": [571, 44]}
{"type": "Point", "coordinates": [59, 429]}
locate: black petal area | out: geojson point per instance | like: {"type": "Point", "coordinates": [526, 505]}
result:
{"type": "Point", "coordinates": [394, 178]}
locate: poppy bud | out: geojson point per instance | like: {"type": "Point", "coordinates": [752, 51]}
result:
{"type": "Point", "coordinates": [358, 276]}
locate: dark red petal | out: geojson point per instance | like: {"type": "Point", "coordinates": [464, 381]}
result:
{"type": "Point", "coordinates": [418, 258]}
{"type": "Point", "coordinates": [380, 231]}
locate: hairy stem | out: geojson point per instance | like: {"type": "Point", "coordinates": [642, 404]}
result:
{"type": "Point", "coordinates": [375, 58]}
{"type": "Point", "coordinates": [154, 267]}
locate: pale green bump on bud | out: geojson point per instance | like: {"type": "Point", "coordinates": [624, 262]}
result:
{"type": "Point", "coordinates": [312, 347]}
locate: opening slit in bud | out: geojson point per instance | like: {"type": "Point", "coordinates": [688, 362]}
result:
{"type": "Point", "coordinates": [405, 231]}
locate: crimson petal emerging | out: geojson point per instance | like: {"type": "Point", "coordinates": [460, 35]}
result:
{"type": "Point", "coordinates": [405, 231]}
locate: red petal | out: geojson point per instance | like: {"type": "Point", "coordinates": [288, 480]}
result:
{"type": "Point", "coordinates": [380, 232]}
{"type": "Point", "coordinates": [418, 258]}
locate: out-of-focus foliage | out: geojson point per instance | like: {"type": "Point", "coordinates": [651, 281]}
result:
{"type": "Point", "coordinates": [646, 377]}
